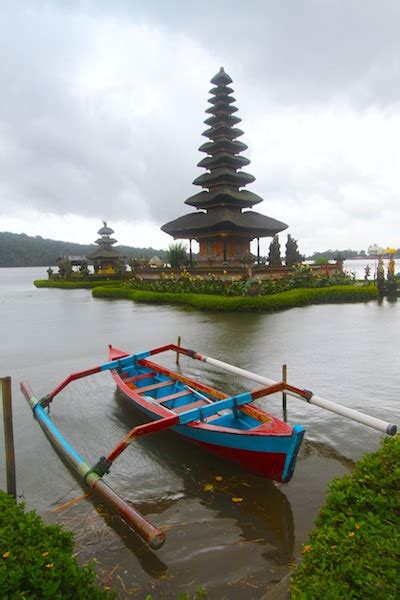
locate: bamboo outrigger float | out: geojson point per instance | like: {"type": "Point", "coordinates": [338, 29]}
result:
{"type": "Point", "coordinates": [228, 426]}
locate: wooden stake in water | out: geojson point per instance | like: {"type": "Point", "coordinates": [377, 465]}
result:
{"type": "Point", "coordinates": [177, 354]}
{"type": "Point", "coordinates": [284, 379]}
{"type": "Point", "coordinates": [8, 435]}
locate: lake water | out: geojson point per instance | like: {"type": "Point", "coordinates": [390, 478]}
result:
{"type": "Point", "coordinates": [347, 353]}
{"type": "Point", "coordinates": [358, 267]}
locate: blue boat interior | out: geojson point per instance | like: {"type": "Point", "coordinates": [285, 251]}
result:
{"type": "Point", "coordinates": [179, 397]}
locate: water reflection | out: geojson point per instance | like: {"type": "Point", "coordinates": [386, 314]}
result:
{"type": "Point", "coordinates": [263, 514]}
{"type": "Point", "coordinates": [308, 448]}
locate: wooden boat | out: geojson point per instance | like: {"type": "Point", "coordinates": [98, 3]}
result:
{"type": "Point", "coordinates": [228, 426]}
{"type": "Point", "coordinates": [245, 435]}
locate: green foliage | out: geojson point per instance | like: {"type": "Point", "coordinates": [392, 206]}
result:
{"type": "Point", "coordinates": [300, 276]}
{"type": "Point", "coordinates": [176, 255]}
{"type": "Point", "coordinates": [335, 254]}
{"type": "Point", "coordinates": [248, 259]}
{"type": "Point", "coordinates": [120, 267]}
{"type": "Point", "coordinates": [20, 250]}
{"type": "Point", "coordinates": [65, 268]}
{"type": "Point", "coordinates": [36, 560]}
{"type": "Point", "coordinates": [72, 285]}
{"type": "Point", "coordinates": [274, 254]}
{"type": "Point", "coordinates": [200, 593]}
{"type": "Point", "coordinates": [84, 268]}
{"type": "Point", "coordinates": [272, 302]}
{"type": "Point", "coordinates": [321, 260]}
{"type": "Point", "coordinates": [354, 551]}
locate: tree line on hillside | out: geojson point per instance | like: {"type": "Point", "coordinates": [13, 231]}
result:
{"type": "Point", "coordinates": [342, 254]}
{"type": "Point", "coordinates": [21, 250]}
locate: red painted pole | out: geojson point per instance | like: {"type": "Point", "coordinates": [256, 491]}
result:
{"type": "Point", "coordinates": [140, 431]}
{"type": "Point", "coordinates": [70, 378]}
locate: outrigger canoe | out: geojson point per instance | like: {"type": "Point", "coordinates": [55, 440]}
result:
{"type": "Point", "coordinates": [229, 426]}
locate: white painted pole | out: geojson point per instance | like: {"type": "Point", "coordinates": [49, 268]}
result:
{"type": "Point", "coordinates": [339, 409]}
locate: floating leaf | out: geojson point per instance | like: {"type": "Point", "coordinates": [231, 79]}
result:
{"type": "Point", "coordinates": [234, 499]}
{"type": "Point", "coordinates": [208, 487]}
{"type": "Point", "coordinates": [218, 478]}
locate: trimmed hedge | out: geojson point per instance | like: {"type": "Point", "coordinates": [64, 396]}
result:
{"type": "Point", "coordinates": [354, 551]}
{"type": "Point", "coordinates": [36, 560]}
{"type": "Point", "coordinates": [274, 302]}
{"type": "Point", "coordinates": [71, 285]}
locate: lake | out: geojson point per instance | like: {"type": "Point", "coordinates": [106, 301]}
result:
{"type": "Point", "coordinates": [357, 266]}
{"type": "Point", "coordinates": [346, 353]}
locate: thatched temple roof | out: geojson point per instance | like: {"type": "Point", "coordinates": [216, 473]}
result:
{"type": "Point", "coordinates": [222, 197]}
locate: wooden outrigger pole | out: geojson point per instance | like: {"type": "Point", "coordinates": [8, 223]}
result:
{"type": "Point", "coordinates": [307, 395]}
{"type": "Point", "coordinates": [151, 535]}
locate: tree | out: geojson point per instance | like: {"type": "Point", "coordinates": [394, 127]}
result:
{"type": "Point", "coordinates": [84, 268]}
{"type": "Point", "coordinates": [293, 256]}
{"type": "Point", "coordinates": [176, 255]}
{"type": "Point", "coordinates": [65, 267]}
{"type": "Point", "coordinates": [120, 267]}
{"type": "Point", "coordinates": [133, 263]}
{"type": "Point", "coordinates": [274, 255]}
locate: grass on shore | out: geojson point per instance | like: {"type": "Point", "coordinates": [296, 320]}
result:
{"type": "Point", "coordinates": [354, 552]}
{"type": "Point", "coordinates": [36, 560]}
{"type": "Point", "coordinates": [273, 302]}
{"type": "Point", "coordinates": [73, 285]}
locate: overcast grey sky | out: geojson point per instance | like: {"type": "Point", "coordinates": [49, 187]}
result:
{"type": "Point", "coordinates": [102, 107]}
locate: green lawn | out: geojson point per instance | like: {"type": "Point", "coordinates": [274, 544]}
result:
{"type": "Point", "coordinates": [268, 303]}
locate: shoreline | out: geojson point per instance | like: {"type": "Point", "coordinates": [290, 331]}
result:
{"type": "Point", "coordinates": [213, 302]}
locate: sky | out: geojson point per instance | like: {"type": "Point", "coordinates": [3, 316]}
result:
{"type": "Point", "coordinates": [102, 107]}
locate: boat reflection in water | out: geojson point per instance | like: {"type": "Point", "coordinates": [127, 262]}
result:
{"type": "Point", "coordinates": [235, 526]}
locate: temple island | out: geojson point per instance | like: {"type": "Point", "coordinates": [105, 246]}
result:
{"type": "Point", "coordinates": [223, 223]}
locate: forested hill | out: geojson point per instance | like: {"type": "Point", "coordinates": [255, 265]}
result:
{"type": "Point", "coordinates": [20, 250]}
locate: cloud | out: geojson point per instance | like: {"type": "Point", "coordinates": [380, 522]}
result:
{"type": "Point", "coordinates": [307, 51]}
{"type": "Point", "coordinates": [102, 106]}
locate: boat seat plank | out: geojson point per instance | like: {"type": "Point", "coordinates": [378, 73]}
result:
{"type": "Point", "coordinates": [186, 407]}
{"type": "Point", "coordinates": [214, 417]}
{"type": "Point", "coordinates": [138, 377]}
{"type": "Point", "coordinates": [154, 386]}
{"type": "Point", "coordinates": [175, 396]}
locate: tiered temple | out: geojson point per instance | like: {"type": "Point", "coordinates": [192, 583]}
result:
{"type": "Point", "coordinates": [105, 257]}
{"type": "Point", "coordinates": [222, 227]}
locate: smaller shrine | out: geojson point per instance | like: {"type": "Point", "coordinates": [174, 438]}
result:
{"type": "Point", "coordinates": [106, 258]}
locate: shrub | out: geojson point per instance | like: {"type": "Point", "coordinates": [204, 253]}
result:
{"type": "Point", "coordinates": [71, 285]}
{"type": "Point", "coordinates": [321, 260]}
{"type": "Point", "coordinates": [176, 255]}
{"type": "Point", "coordinates": [36, 559]}
{"type": "Point", "coordinates": [354, 551]}
{"type": "Point", "coordinates": [273, 302]}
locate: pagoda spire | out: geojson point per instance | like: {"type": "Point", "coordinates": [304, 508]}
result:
{"type": "Point", "coordinates": [223, 161]}
{"type": "Point", "coordinates": [105, 241]}
{"type": "Point", "coordinates": [222, 227]}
